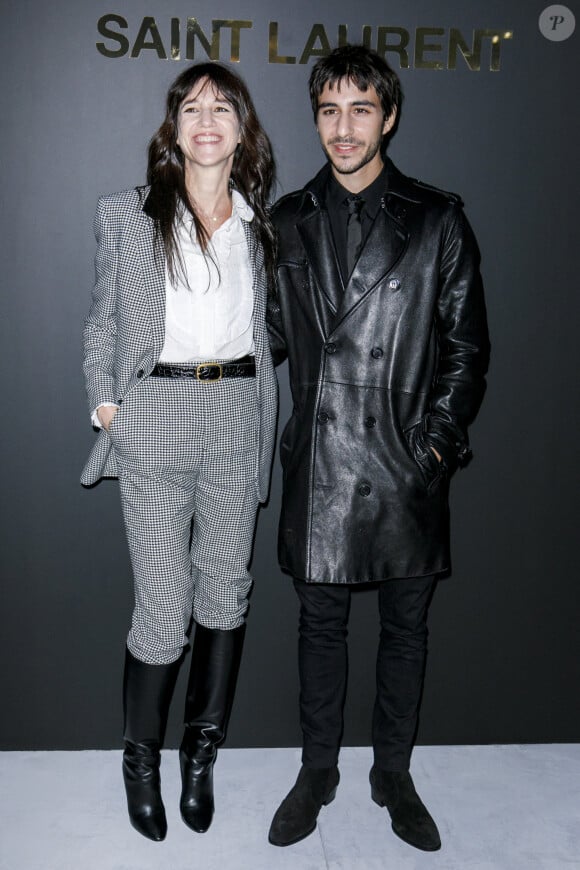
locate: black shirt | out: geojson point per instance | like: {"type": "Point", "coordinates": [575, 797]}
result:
{"type": "Point", "coordinates": [335, 202]}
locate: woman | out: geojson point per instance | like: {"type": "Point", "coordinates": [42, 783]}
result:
{"type": "Point", "coordinates": [180, 380]}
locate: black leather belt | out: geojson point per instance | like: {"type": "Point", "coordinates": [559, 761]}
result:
{"type": "Point", "coordinates": [208, 372]}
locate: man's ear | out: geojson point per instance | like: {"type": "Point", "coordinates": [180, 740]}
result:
{"type": "Point", "coordinates": [390, 122]}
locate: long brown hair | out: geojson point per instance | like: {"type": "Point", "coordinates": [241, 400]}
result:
{"type": "Point", "coordinates": [252, 170]}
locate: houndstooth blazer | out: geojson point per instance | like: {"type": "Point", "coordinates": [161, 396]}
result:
{"type": "Point", "coordinates": [125, 327]}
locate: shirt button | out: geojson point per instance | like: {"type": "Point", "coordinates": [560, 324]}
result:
{"type": "Point", "coordinates": [370, 422]}
{"type": "Point", "coordinates": [377, 352]}
{"type": "Point", "coordinates": [330, 347]}
{"type": "Point", "coordinates": [140, 373]}
{"type": "Point", "coordinates": [323, 417]}
{"type": "Point", "coordinates": [364, 490]}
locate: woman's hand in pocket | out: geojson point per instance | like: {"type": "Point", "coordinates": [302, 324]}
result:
{"type": "Point", "coordinates": [105, 414]}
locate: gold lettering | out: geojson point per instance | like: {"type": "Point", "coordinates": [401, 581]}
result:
{"type": "Point", "coordinates": [175, 40]}
{"type": "Point", "coordinates": [211, 49]}
{"type": "Point", "coordinates": [400, 47]}
{"type": "Point", "coordinates": [391, 41]}
{"type": "Point", "coordinates": [496, 37]}
{"type": "Point", "coordinates": [273, 56]}
{"type": "Point", "coordinates": [112, 34]}
{"type": "Point", "coordinates": [472, 57]}
{"type": "Point", "coordinates": [421, 47]}
{"type": "Point", "coordinates": [148, 27]}
{"type": "Point", "coordinates": [342, 35]}
{"type": "Point", "coordinates": [235, 26]}
{"type": "Point", "coordinates": [317, 33]}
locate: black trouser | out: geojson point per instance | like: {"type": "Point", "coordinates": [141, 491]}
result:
{"type": "Point", "coordinates": [323, 664]}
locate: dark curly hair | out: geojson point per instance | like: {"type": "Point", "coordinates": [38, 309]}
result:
{"type": "Point", "coordinates": [364, 68]}
{"type": "Point", "coordinates": [252, 170]}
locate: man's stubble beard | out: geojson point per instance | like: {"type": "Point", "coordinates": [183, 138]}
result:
{"type": "Point", "coordinates": [366, 158]}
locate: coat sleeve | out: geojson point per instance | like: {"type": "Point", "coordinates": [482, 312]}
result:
{"type": "Point", "coordinates": [100, 332]}
{"type": "Point", "coordinates": [463, 341]}
{"type": "Point", "coordinates": [275, 328]}
{"type": "Point", "coordinates": [274, 322]}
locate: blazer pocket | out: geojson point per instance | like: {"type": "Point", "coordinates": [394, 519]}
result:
{"type": "Point", "coordinates": [114, 423]}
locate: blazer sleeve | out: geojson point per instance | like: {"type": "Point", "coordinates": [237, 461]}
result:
{"type": "Point", "coordinates": [100, 331]}
{"type": "Point", "coordinates": [463, 341]}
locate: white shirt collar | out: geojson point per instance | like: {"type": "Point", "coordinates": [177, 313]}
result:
{"type": "Point", "coordinates": [241, 207]}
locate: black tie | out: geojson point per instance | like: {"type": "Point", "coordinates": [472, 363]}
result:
{"type": "Point", "coordinates": [353, 231]}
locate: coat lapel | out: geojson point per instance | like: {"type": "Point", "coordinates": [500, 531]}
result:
{"type": "Point", "coordinates": [316, 237]}
{"type": "Point", "coordinates": [384, 247]}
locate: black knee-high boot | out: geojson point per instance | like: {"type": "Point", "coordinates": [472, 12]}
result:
{"type": "Point", "coordinates": [215, 661]}
{"type": "Point", "coordinates": [147, 691]}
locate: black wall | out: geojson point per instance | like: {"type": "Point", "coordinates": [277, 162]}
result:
{"type": "Point", "coordinates": [504, 663]}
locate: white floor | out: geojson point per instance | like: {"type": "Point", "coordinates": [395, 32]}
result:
{"type": "Point", "coordinates": [497, 807]}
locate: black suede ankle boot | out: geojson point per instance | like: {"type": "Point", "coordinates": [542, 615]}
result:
{"type": "Point", "coordinates": [411, 821]}
{"type": "Point", "coordinates": [296, 816]}
{"type": "Point", "coordinates": [147, 691]}
{"type": "Point", "coordinates": [215, 661]}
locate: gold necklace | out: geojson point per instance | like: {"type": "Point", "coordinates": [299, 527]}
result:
{"type": "Point", "coordinates": [217, 217]}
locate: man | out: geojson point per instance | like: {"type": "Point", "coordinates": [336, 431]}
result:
{"type": "Point", "coordinates": [380, 312]}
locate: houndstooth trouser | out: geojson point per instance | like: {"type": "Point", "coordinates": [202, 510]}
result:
{"type": "Point", "coordinates": [186, 451]}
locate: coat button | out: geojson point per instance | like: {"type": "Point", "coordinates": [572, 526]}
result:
{"type": "Point", "coordinates": [140, 373]}
{"type": "Point", "coordinates": [330, 347]}
{"type": "Point", "coordinates": [370, 422]}
{"type": "Point", "coordinates": [323, 417]}
{"type": "Point", "coordinates": [377, 352]}
{"type": "Point", "coordinates": [364, 490]}
{"type": "Point", "coordinates": [394, 284]}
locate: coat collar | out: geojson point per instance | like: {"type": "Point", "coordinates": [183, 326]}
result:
{"type": "Point", "coordinates": [398, 187]}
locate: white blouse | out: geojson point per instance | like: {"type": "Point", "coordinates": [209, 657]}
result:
{"type": "Point", "coordinates": [208, 313]}
{"type": "Point", "coordinates": [209, 317]}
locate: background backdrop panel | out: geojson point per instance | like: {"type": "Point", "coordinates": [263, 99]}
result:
{"type": "Point", "coordinates": [491, 112]}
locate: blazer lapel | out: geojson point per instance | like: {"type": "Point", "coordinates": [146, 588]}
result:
{"type": "Point", "coordinates": [259, 286]}
{"type": "Point", "coordinates": [252, 254]}
{"type": "Point", "coordinates": [152, 263]}
{"type": "Point", "coordinates": [258, 277]}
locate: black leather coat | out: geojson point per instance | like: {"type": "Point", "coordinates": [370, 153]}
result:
{"type": "Point", "coordinates": [380, 370]}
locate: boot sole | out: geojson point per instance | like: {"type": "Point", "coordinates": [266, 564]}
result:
{"type": "Point", "coordinates": [381, 803]}
{"type": "Point", "coordinates": [307, 833]}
